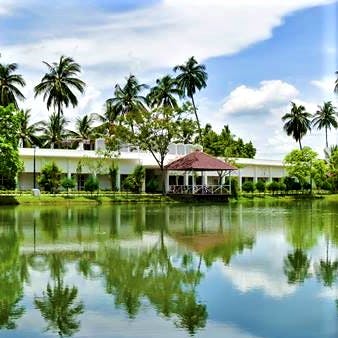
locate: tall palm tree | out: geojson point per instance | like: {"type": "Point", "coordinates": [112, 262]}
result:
{"type": "Point", "coordinates": [9, 83]}
{"type": "Point", "coordinates": [54, 131]}
{"type": "Point", "coordinates": [84, 132]}
{"type": "Point", "coordinates": [107, 120]}
{"type": "Point", "coordinates": [28, 132]}
{"type": "Point", "coordinates": [297, 123]}
{"type": "Point", "coordinates": [127, 99]}
{"type": "Point", "coordinates": [57, 85]}
{"type": "Point", "coordinates": [325, 117]}
{"type": "Point", "coordinates": [336, 84]}
{"type": "Point", "coordinates": [192, 77]}
{"type": "Point", "coordinates": [163, 94]}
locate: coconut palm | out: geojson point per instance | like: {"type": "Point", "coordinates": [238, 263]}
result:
{"type": "Point", "coordinates": [297, 122]}
{"type": "Point", "coordinates": [325, 117]}
{"type": "Point", "coordinates": [84, 131]}
{"type": "Point", "coordinates": [296, 266]}
{"type": "Point", "coordinates": [192, 77]}
{"type": "Point", "coordinates": [56, 86]}
{"type": "Point", "coordinates": [336, 84]}
{"type": "Point", "coordinates": [54, 131]}
{"type": "Point", "coordinates": [127, 99]}
{"type": "Point", "coordinates": [9, 83]}
{"type": "Point", "coordinates": [106, 120]}
{"type": "Point", "coordinates": [28, 132]}
{"type": "Point", "coordinates": [163, 94]}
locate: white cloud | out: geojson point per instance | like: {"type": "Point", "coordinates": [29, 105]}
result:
{"type": "Point", "coordinates": [269, 95]}
{"type": "Point", "coordinates": [326, 85]}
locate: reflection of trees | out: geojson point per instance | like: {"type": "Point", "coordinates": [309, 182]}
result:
{"type": "Point", "coordinates": [12, 275]}
{"type": "Point", "coordinates": [152, 275]}
{"type": "Point", "coordinates": [58, 306]}
{"type": "Point", "coordinates": [296, 266]}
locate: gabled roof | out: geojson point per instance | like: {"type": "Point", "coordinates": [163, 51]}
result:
{"type": "Point", "coordinates": [198, 160]}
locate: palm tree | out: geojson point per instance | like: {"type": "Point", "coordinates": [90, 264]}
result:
{"type": "Point", "coordinates": [9, 83]}
{"type": "Point", "coordinates": [56, 85]}
{"type": "Point", "coordinates": [192, 77]}
{"type": "Point", "coordinates": [325, 117]}
{"type": "Point", "coordinates": [127, 99]}
{"type": "Point", "coordinates": [107, 119]}
{"type": "Point", "coordinates": [298, 122]}
{"type": "Point", "coordinates": [28, 132]}
{"type": "Point", "coordinates": [84, 131]}
{"type": "Point", "coordinates": [296, 266]}
{"type": "Point", "coordinates": [163, 94]}
{"type": "Point", "coordinates": [336, 84]}
{"type": "Point", "coordinates": [54, 131]}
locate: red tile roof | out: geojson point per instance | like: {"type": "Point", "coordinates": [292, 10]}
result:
{"type": "Point", "coordinates": [198, 160]}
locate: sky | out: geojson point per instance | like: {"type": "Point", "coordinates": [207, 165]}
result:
{"type": "Point", "coordinates": [260, 55]}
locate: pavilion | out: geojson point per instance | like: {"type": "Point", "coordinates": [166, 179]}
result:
{"type": "Point", "coordinates": [200, 162]}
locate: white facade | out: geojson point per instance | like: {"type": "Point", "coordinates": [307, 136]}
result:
{"type": "Point", "coordinates": [88, 162]}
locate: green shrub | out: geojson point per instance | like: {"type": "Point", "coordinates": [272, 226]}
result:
{"type": "Point", "coordinates": [153, 185]}
{"type": "Point", "coordinates": [68, 183]}
{"type": "Point", "coordinates": [248, 186]}
{"type": "Point", "coordinates": [135, 180]}
{"type": "Point", "coordinates": [273, 186]}
{"type": "Point", "coordinates": [50, 177]}
{"type": "Point", "coordinates": [91, 184]}
{"type": "Point", "coordinates": [260, 186]}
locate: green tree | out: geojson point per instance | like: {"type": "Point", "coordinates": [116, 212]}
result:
{"type": "Point", "coordinates": [91, 184]}
{"type": "Point", "coordinates": [127, 99]}
{"type": "Point", "coordinates": [154, 132]}
{"type": "Point", "coordinates": [84, 131]}
{"type": "Point", "coordinates": [9, 83]}
{"type": "Point", "coordinates": [192, 77]}
{"type": "Point", "coordinates": [333, 168]}
{"type": "Point", "coordinates": [164, 93]}
{"type": "Point", "coordinates": [28, 132]}
{"type": "Point", "coordinates": [68, 183]}
{"type": "Point", "coordinates": [135, 180]}
{"type": "Point", "coordinates": [296, 266]}
{"type": "Point", "coordinates": [300, 164]}
{"type": "Point", "coordinates": [248, 186]}
{"type": "Point", "coordinates": [10, 163]}
{"type": "Point", "coordinates": [260, 186]}
{"type": "Point", "coordinates": [58, 83]}
{"type": "Point", "coordinates": [50, 177]}
{"type": "Point", "coordinates": [297, 122]}
{"type": "Point", "coordinates": [325, 117]}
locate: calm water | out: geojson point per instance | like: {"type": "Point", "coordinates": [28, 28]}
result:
{"type": "Point", "coordinates": [252, 270]}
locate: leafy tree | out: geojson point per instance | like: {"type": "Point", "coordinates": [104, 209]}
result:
{"type": "Point", "coordinates": [325, 117]}
{"type": "Point", "coordinates": [300, 164]}
{"type": "Point", "coordinates": [50, 177]}
{"type": "Point", "coordinates": [10, 163]}
{"type": "Point", "coordinates": [333, 168]}
{"type": "Point", "coordinates": [135, 180]}
{"type": "Point", "coordinates": [68, 183]}
{"type": "Point", "coordinates": [192, 77]}
{"type": "Point", "coordinates": [9, 83]}
{"type": "Point", "coordinates": [248, 186]}
{"type": "Point", "coordinates": [58, 84]}
{"type": "Point", "coordinates": [83, 128]}
{"type": "Point", "coordinates": [297, 122]}
{"type": "Point", "coordinates": [91, 184]}
{"type": "Point", "coordinates": [260, 186]}
{"type": "Point", "coordinates": [273, 186]}
{"type": "Point", "coordinates": [163, 94]}
{"type": "Point", "coordinates": [154, 131]}
{"type": "Point", "coordinates": [113, 172]}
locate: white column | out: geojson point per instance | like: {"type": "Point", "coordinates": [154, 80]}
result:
{"type": "Point", "coordinates": [167, 181]}
{"type": "Point", "coordinates": [255, 175]}
{"type": "Point", "coordinates": [239, 179]}
{"type": "Point", "coordinates": [118, 180]}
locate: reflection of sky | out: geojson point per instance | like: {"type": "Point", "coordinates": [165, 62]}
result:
{"type": "Point", "coordinates": [254, 294]}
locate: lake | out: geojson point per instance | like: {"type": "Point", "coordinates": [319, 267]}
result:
{"type": "Point", "coordinates": [244, 270]}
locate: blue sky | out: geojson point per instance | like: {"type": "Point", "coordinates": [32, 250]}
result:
{"type": "Point", "coordinates": [260, 55]}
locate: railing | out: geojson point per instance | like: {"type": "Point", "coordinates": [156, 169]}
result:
{"type": "Point", "coordinates": [199, 189]}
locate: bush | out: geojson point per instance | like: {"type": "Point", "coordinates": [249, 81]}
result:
{"type": "Point", "coordinates": [50, 177]}
{"type": "Point", "coordinates": [248, 186]}
{"type": "Point", "coordinates": [153, 185]}
{"type": "Point", "coordinates": [135, 180]}
{"type": "Point", "coordinates": [273, 186]}
{"type": "Point", "coordinates": [327, 186]}
{"type": "Point", "coordinates": [91, 184]}
{"type": "Point", "coordinates": [68, 183]}
{"type": "Point", "coordinates": [260, 186]}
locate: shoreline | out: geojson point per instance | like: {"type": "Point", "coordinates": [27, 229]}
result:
{"type": "Point", "coordinates": [98, 199]}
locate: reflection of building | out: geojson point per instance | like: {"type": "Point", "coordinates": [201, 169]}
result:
{"type": "Point", "coordinates": [80, 163]}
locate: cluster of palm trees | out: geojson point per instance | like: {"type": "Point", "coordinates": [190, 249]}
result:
{"type": "Point", "coordinates": [61, 84]}
{"type": "Point", "coordinates": [299, 122]}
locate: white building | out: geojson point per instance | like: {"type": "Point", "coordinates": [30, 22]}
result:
{"type": "Point", "coordinates": [80, 163]}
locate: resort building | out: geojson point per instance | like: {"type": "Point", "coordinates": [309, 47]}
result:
{"type": "Point", "coordinates": [81, 163]}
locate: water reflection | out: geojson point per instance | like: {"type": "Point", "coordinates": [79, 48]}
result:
{"type": "Point", "coordinates": [163, 259]}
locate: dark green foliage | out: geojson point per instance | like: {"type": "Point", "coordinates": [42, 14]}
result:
{"type": "Point", "coordinates": [273, 186]}
{"type": "Point", "coordinates": [153, 185]}
{"type": "Point", "coordinates": [68, 183]}
{"type": "Point", "coordinates": [225, 144]}
{"type": "Point", "coordinates": [113, 172]}
{"type": "Point", "coordinates": [50, 177]}
{"type": "Point", "coordinates": [135, 180]}
{"type": "Point", "coordinates": [91, 184]}
{"type": "Point", "coordinates": [260, 186]}
{"type": "Point", "coordinates": [248, 186]}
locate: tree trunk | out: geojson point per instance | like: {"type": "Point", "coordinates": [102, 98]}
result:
{"type": "Point", "coordinates": [327, 144]}
{"type": "Point", "coordinates": [197, 120]}
{"type": "Point", "coordinates": [163, 180]}
{"type": "Point", "coordinates": [300, 144]}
